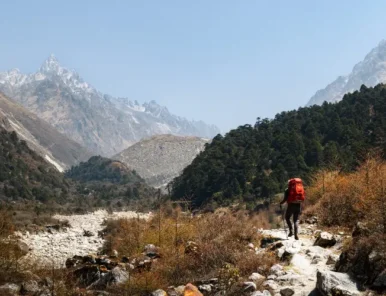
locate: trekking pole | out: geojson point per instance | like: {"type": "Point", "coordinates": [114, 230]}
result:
{"type": "Point", "coordinates": [282, 216]}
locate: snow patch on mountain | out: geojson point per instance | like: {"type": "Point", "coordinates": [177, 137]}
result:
{"type": "Point", "coordinates": [53, 162]}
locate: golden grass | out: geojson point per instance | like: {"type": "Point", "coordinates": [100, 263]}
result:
{"type": "Point", "coordinates": [222, 239]}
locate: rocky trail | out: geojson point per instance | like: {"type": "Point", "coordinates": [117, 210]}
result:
{"type": "Point", "coordinates": [307, 264]}
{"type": "Point", "coordinates": [54, 246]}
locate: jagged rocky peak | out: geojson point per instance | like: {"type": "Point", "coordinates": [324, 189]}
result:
{"type": "Point", "coordinates": [370, 72]}
{"type": "Point", "coordinates": [51, 64]}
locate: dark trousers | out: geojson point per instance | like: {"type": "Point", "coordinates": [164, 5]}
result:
{"type": "Point", "coordinates": [293, 209]}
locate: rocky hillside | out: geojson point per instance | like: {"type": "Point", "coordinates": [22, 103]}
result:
{"type": "Point", "coordinates": [41, 137]}
{"type": "Point", "coordinates": [161, 158]}
{"type": "Point", "coordinates": [103, 124]}
{"type": "Point", "coordinates": [370, 72]}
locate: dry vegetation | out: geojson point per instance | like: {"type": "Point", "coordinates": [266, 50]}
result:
{"type": "Point", "coordinates": [344, 199]}
{"type": "Point", "coordinates": [220, 249]}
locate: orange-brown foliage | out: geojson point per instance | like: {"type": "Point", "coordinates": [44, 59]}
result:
{"type": "Point", "coordinates": [221, 239]}
{"type": "Point", "coordinates": [344, 199]}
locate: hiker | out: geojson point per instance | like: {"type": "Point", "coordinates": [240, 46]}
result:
{"type": "Point", "coordinates": [294, 195]}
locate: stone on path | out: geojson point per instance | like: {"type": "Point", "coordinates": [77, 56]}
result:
{"type": "Point", "coordinates": [287, 292]}
{"type": "Point", "coordinates": [256, 277]}
{"type": "Point", "coordinates": [325, 240]}
{"type": "Point", "coordinates": [335, 283]}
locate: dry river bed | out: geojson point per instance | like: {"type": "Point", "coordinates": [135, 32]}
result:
{"type": "Point", "coordinates": [52, 248]}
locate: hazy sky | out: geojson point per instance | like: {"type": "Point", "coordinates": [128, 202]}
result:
{"type": "Point", "coordinates": [225, 62]}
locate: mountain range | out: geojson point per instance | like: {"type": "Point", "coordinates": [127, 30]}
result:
{"type": "Point", "coordinates": [370, 72]}
{"type": "Point", "coordinates": [103, 124]}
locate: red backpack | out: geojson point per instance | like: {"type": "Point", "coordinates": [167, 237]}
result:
{"type": "Point", "coordinates": [296, 193]}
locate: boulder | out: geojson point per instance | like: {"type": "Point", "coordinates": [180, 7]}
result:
{"type": "Point", "coordinates": [151, 251]}
{"type": "Point", "coordinates": [191, 290]}
{"type": "Point", "coordinates": [335, 283]}
{"type": "Point", "coordinates": [332, 259]}
{"type": "Point", "coordinates": [360, 229]}
{"type": "Point", "coordinates": [258, 293]}
{"type": "Point", "coordinates": [270, 284]}
{"type": "Point", "coordinates": [22, 248]}
{"type": "Point", "coordinates": [87, 275]}
{"type": "Point", "coordinates": [325, 240]}
{"type": "Point", "coordinates": [380, 281]}
{"type": "Point", "coordinates": [29, 287]}
{"type": "Point", "coordinates": [9, 289]}
{"type": "Point", "coordinates": [159, 292]}
{"type": "Point", "coordinates": [74, 261]}
{"type": "Point", "coordinates": [249, 286]}
{"type": "Point", "coordinates": [277, 270]}
{"type": "Point", "coordinates": [89, 259]}
{"type": "Point", "coordinates": [256, 277]}
{"type": "Point", "coordinates": [114, 277]}
{"type": "Point", "coordinates": [287, 292]}
{"type": "Point", "coordinates": [206, 288]}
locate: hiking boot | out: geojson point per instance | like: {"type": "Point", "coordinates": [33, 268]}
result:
{"type": "Point", "coordinates": [296, 237]}
{"type": "Point", "coordinates": [290, 234]}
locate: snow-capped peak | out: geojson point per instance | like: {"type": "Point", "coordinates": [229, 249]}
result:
{"type": "Point", "coordinates": [51, 65]}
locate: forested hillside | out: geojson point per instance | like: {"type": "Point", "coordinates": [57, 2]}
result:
{"type": "Point", "coordinates": [112, 182]}
{"type": "Point", "coordinates": [253, 162]}
{"type": "Point", "coordinates": [26, 175]}
{"type": "Point", "coordinates": [99, 182]}
{"type": "Point", "coordinates": [99, 168]}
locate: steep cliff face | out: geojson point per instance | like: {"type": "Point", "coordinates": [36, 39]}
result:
{"type": "Point", "coordinates": [103, 124]}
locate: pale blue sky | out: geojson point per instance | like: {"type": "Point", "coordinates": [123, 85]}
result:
{"type": "Point", "coordinates": [225, 62]}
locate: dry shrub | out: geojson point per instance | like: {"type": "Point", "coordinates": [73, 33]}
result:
{"type": "Point", "coordinates": [222, 240]}
{"type": "Point", "coordinates": [344, 199]}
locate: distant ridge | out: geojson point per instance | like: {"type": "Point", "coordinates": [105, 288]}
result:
{"type": "Point", "coordinates": [370, 72]}
{"type": "Point", "coordinates": [103, 124]}
{"type": "Point", "coordinates": [161, 158]}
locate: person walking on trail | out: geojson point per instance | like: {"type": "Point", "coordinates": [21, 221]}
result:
{"type": "Point", "coordinates": [294, 195]}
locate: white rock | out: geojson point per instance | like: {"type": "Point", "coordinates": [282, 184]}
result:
{"type": "Point", "coordinates": [256, 277]}
{"type": "Point", "coordinates": [334, 283]}
{"type": "Point", "coordinates": [270, 284]}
